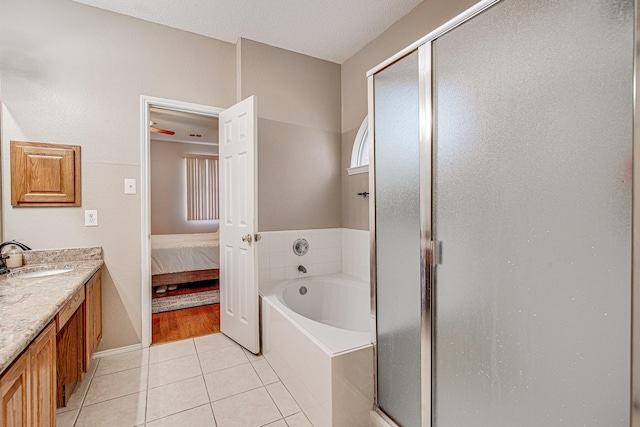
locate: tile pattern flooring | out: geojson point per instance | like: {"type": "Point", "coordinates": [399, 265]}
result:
{"type": "Point", "coordinates": [204, 381]}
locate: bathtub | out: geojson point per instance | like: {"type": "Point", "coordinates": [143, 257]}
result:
{"type": "Point", "coordinates": [316, 334]}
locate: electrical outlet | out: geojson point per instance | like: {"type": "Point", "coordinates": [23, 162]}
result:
{"type": "Point", "coordinates": [129, 186]}
{"type": "Point", "coordinates": [91, 218]}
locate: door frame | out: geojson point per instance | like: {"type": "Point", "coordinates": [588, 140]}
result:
{"type": "Point", "coordinates": [427, 250]}
{"type": "Point", "coordinates": [147, 102]}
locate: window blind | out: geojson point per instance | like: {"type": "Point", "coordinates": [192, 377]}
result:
{"type": "Point", "coordinates": [202, 187]}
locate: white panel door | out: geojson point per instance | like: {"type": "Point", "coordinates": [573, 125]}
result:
{"type": "Point", "coordinates": [238, 224]}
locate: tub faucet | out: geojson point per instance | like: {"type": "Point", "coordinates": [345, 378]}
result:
{"type": "Point", "coordinates": [3, 266]}
{"type": "Point", "coordinates": [301, 268]}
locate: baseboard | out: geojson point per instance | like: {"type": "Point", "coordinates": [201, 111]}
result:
{"type": "Point", "coordinates": [119, 350]}
{"type": "Point", "coordinates": [376, 420]}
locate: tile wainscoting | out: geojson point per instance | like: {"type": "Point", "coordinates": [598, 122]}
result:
{"type": "Point", "coordinates": [331, 250]}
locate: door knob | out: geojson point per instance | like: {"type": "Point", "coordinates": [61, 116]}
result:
{"type": "Point", "coordinates": [257, 237]}
{"type": "Point", "coordinates": [247, 238]}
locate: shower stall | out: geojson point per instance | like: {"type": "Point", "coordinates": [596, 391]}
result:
{"type": "Point", "coordinates": [502, 216]}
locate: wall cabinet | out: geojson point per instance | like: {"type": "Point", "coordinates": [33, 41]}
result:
{"type": "Point", "coordinates": [27, 388]}
{"type": "Point", "coordinates": [44, 174]}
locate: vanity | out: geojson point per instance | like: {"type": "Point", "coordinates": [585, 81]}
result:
{"type": "Point", "coordinates": [50, 326]}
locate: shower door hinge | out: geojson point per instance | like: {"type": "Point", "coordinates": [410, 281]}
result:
{"type": "Point", "coordinates": [435, 252]}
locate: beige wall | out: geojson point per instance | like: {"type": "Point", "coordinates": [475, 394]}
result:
{"type": "Point", "coordinates": [74, 74]}
{"type": "Point", "coordinates": [427, 16]}
{"type": "Point", "coordinates": [298, 133]}
{"type": "Point", "coordinates": [168, 188]}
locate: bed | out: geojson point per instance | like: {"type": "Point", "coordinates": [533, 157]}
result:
{"type": "Point", "coordinates": [183, 258]}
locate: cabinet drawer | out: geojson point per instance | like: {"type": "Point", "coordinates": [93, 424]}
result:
{"type": "Point", "coordinates": [69, 308]}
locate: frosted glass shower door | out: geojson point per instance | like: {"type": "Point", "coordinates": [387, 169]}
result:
{"type": "Point", "coordinates": [397, 197]}
{"type": "Point", "coordinates": [532, 203]}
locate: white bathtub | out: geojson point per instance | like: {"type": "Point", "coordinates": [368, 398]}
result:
{"type": "Point", "coordinates": [316, 333]}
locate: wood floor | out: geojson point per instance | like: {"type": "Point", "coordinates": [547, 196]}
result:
{"type": "Point", "coordinates": [187, 323]}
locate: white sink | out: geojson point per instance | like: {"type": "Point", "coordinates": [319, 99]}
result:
{"type": "Point", "coordinates": [43, 273]}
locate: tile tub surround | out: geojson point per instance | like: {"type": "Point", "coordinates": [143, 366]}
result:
{"type": "Point", "coordinates": [355, 253]}
{"type": "Point", "coordinates": [204, 381]}
{"type": "Point", "coordinates": [331, 250]}
{"type": "Point", "coordinates": [28, 305]}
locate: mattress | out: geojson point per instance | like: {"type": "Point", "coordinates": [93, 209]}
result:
{"type": "Point", "coordinates": [174, 253]}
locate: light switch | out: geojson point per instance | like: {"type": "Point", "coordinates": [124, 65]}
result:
{"type": "Point", "coordinates": [91, 218]}
{"type": "Point", "coordinates": [130, 186]}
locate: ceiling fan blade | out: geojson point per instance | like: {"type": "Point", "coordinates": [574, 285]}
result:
{"type": "Point", "coordinates": [166, 132]}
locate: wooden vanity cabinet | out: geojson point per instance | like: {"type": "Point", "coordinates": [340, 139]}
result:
{"type": "Point", "coordinates": [43, 378]}
{"type": "Point", "coordinates": [92, 317]}
{"type": "Point", "coordinates": [79, 333]}
{"type": "Point", "coordinates": [27, 388]}
{"type": "Point", "coordinates": [15, 393]}
{"type": "Point", "coordinates": [70, 357]}
{"type": "Point", "coordinates": [44, 375]}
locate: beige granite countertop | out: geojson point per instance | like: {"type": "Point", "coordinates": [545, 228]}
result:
{"type": "Point", "coordinates": [28, 305]}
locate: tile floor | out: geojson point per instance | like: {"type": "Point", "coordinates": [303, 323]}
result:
{"type": "Point", "coordinates": [204, 381]}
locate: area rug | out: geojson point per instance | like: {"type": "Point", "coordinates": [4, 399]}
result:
{"type": "Point", "coordinates": [178, 302]}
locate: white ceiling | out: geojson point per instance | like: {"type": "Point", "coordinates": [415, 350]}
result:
{"type": "Point", "coordinates": [333, 30]}
{"type": "Point", "coordinates": [184, 124]}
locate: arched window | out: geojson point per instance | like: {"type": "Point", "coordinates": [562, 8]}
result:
{"type": "Point", "coordinates": [360, 152]}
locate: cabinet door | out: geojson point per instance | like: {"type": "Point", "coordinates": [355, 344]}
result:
{"type": "Point", "coordinates": [43, 379]}
{"type": "Point", "coordinates": [14, 392]}
{"type": "Point", "coordinates": [44, 174]}
{"type": "Point", "coordinates": [92, 317]}
{"type": "Point", "coordinates": [69, 357]}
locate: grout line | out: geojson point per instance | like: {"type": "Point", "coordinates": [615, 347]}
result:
{"type": "Point", "coordinates": [215, 349]}
{"type": "Point", "coordinates": [228, 367]}
{"type": "Point", "coordinates": [111, 398]}
{"type": "Point", "coordinates": [173, 358]}
{"type": "Point", "coordinates": [202, 374]}
{"type": "Point", "coordinates": [176, 413]}
{"type": "Point", "coordinates": [91, 377]}
{"type": "Point", "coordinates": [146, 392]}
{"type": "Point", "coordinates": [237, 394]}
{"type": "Point", "coordinates": [274, 402]}
{"type": "Point", "coordinates": [118, 372]}
{"type": "Point", "coordinates": [279, 419]}
{"type": "Point", "coordinates": [288, 391]}
{"type": "Point", "coordinates": [174, 382]}
{"type": "Point", "coordinates": [205, 385]}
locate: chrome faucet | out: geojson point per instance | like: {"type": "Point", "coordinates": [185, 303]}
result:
{"type": "Point", "coordinates": [301, 268]}
{"type": "Point", "coordinates": [3, 266]}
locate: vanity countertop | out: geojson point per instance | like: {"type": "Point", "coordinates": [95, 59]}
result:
{"type": "Point", "coordinates": [27, 305]}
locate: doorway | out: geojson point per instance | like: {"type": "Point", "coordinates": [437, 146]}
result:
{"type": "Point", "coordinates": [238, 136]}
{"type": "Point", "coordinates": [184, 225]}
{"type": "Point", "coordinates": [163, 284]}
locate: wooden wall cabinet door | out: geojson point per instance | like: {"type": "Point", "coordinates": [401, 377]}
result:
{"type": "Point", "coordinates": [92, 317]}
{"type": "Point", "coordinates": [43, 378]}
{"type": "Point", "coordinates": [15, 394]}
{"type": "Point", "coordinates": [44, 174]}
